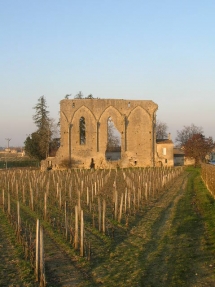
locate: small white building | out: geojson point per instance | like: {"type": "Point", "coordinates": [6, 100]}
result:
{"type": "Point", "coordinates": [165, 152]}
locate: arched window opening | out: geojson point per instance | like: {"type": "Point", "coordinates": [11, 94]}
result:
{"type": "Point", "coordinates": [82, 131]}
{"type": "Point", "coordinates": [113, 150]}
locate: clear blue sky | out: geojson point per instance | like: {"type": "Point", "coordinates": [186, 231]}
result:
{"type": "Point", "coordinates": [155, 50]}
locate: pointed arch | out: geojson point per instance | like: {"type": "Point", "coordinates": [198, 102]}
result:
{"type": "Point", "coordinates": [111, 110]}
{"type": "Point", "coordinates": [84, 130]}
{"type": "Point", "coordinates": [117, 118]}
{"type": "Point", "coordinates": [82, 110]}
{"type": "Point", "coordinates": [136, 108]}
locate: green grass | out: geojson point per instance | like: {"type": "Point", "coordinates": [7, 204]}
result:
{"type": "Point", "coordinates": [175, 249]}
{"type": "Point", "coordinates": [26, 273]}
{"type": "Point", "coordinates": [193, 234]}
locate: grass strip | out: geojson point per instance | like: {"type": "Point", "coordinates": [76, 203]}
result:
{"type": "Point", "coordinates": [193, 233]}
{"type": "Point", "coordinates": [25, 271]}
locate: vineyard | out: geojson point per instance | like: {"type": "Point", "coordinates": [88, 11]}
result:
{"type": "Point", "coordinates": [208, 175]}
{"type": "Point", "coordinates": [75, 227]}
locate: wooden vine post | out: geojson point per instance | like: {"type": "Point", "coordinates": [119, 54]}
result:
{"type": "Point", "coordinates": [116, 205]}
{"type": "Point", "coordinates": [45, 205]}
{"type": "Point", "coordinates": [120, 209]}
{"type": "Point", "coordinates": [42, 264]}
{"type": "Point", "coordinates": [146, 191]}
{"type": "Point", "coordinates": [103, 217]}
{"type": "Point", "coordinates": [3, 198]}
{"type": "Point", "coordinates": [60, 198]}
{"type": "Point", "coordinates": [126, 192]}
{"type": "Point", "coordinates": [99, 213]}
{"type": "Point", "coordinates": [37, 250]}
{"type": "Point", "coordinates": [32, 199]}
{"type": "Point", "coordinates": [82, 234]}
{"type": "Point", "coordinates": [87, 196]}
{"type": "Point", "coordinates": [66, 221]}
{"type": "Point", "coordinates": [23, 194]}
{"type": "Point", "coordinates": [18, 220]}
{"type": "Point", "coordinates": [76, 228]}
{"type": "Point", "coordinates": [8, 204]}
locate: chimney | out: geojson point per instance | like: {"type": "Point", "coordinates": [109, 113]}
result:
{"type": "Point", "coordinates": [169, 136]}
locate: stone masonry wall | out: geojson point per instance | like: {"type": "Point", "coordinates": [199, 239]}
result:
{"type": "Point", "coordinates": [135, 120]}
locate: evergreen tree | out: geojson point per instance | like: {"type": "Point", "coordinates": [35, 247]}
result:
{"type": "Point", "coordinates": [32, 146]}
{"type": "Point", "coordinates": [37, 145]}
{"type": "Point", "coordinates": [41, 117]}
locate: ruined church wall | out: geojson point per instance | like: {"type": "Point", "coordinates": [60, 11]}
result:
{"type": "Point", "coordinates": [89, 148]}
{"type": "Point", "coordinates": [135, 120]}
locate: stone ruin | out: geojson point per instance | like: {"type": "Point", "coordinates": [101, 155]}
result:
{"type": "Point", "coordinates": [84, 134]}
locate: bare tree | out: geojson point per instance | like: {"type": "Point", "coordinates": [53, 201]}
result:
{"type": "Point", "coordinates": [79, 96]}
{"type": "Point", "coordinates": [90, 96]}
{"type": "Point", "coordinates": [186, 133]}
{"type": "Point", "coordinates": [67, 96]}
{"type": "Point", "coordinates": [161, 130]}
{"type": "Point", "coordinates": [54, 127]}
{"type": "Point", "coordinates": [198, 147]}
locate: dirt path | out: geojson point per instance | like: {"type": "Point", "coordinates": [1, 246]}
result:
{"type": "Point", "coordinates": [158, 252]}
{"type": "Point", "coordinates": [61, 269]}
{"type": "Point", "coordinates": [10, 274]}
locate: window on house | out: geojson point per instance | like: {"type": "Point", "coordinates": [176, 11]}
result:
{"type": "Point", "coordinates": [82, 131]}
{"type": "Point", "coordinates": [164, 151]}
{"type": "Point", "coordinates": [165, 160]}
